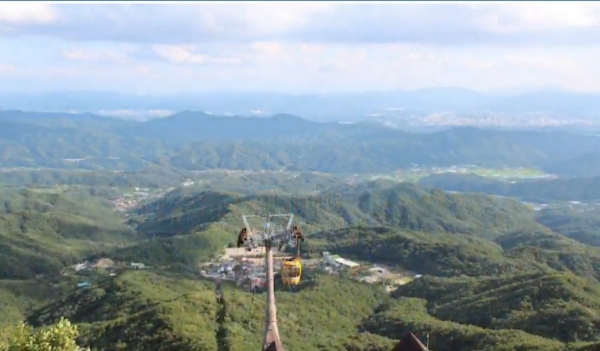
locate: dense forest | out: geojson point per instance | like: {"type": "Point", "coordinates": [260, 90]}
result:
{"type": "Point", "coordinates": [198, 141]}
{"type": "Point", "coordinates": [496, 275]}
{"type": "Point", "coordinates": [536, 190]}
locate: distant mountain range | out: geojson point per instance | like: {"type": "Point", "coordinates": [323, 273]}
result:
{"type": "Point", "coordinates": [325, 107]}
{"type": "Point", "coordinates": [198, 141]}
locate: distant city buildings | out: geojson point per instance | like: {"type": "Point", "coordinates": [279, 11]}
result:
{"type": "Point", "coordinates": [398, 118]}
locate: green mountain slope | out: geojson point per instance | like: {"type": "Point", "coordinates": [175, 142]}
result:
{"type": "Point", "coordinates": [196, 141]}
{"type": "Point", "coordinates": [151, 176]}
{"type": "Point", "coordinates": [401, 205]}
{"type": "Point", "coordinates": [410, 315]}
{"type": "Point", "coordinates": [41, 233]}
{"type": "Point", "coordinates": [570, 189]}
{"type": "Point", "coordinates": [385, 151]}
{"type": "Point", "coordinates": [580, 224]}
{"type": "Point", "coordinates": [494, 277]}
{"type": "Point", "coordinates": [586, 165]}
{"type": "Point", "coordinates": [140, 311]}
{"type": "Point", "coordinates": [554, 306]}
{"type": "Point", "coordinates": [145, 311]}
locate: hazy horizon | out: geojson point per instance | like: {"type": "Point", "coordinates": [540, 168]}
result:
{"type": "Point", "coordinates": [499, 92]}
{"type": "Point", "coordinates": [299, 47]}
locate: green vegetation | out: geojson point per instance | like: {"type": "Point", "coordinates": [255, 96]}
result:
{"type": "Point", "coordinates": [555, 306]}
{"type": "Point", "coordinates": [197, 141]}
{"type": "Point", "coordinates": [585, 165]}
{"type": "Point", "coordinates": [260, 182]}
{"type": "Point", "coordinates": [496, 274]}
{"type": "Point", "coordinates": [581, 224]}
{"type": "Point", "coordinates": [437, 254]}
{"type": "Point", "coordinates": [44, 232]}
{"type": "Point", "coordinates": [60, 336]}
{"type": "Point", "coordinates": [506, 173]}
{"type": "Point", "coordinates": [369, 155]}
{"type": "Point", "coordinates": [160, 313]}
{"type": "Point", "coordinates": [139, 311]}
{"type": "Point", "coordinates": [151, 176]}
{"type": "Point", "coordinates": [569, 189]}
{"type": "Point", "coordinates": [533, 311]}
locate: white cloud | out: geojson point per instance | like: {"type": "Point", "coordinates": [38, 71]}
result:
{"type": "Point", "coordinates": [103, 55]}
{"type": "Point", "coordinates": [271, 48]}
{"type": "Point", "coordinates": [168, 23]}
{"type": "Point", "coordinates": [6, 68]}
{"type": "Point", "coordinates": [304, 46]}
{"type": "Point", "coordinates": [541, 62]}
{"type": "Point", "coordinates": [26, 13]}
{"type": "Point", "coordinates": [572, 23]}
{"type": "Point", "coordinates": [184, 54]}
{"type": "Point", "coordinates": [541, 16]}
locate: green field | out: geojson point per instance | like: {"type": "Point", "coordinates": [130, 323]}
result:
{"type": "Point", "coordinates": [415, 174]}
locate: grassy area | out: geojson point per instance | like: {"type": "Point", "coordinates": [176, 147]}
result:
{"type": "Point", "coordinates": [415, 174]}
{"type": "Point", "coordinates": [508, 173]}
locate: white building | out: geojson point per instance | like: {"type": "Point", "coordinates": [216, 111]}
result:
{"type": "Point", "coordinates": [80, 266]}
{"type": "Point", "coordinates": [331, 259]}
{"type": "Point", "coordinates": [347, 263]}
{"type": "Point", "coordinates": [135, 265]}
{"type": "Point", "coordinates": [337, 261]}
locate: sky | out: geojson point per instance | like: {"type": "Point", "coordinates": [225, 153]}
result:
{"type": "Point", "coordinates": [299, 47]}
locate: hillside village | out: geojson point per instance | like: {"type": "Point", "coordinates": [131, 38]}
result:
{"type": "Point", "coordinates": [247, 270]}
{"type": "Point", "coordinates": [86, 272]}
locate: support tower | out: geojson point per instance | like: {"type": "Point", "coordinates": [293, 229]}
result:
{"type": "Point", "coordinates": [270, 237]}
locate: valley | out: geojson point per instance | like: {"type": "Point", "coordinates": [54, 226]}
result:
{"type": "Point", "coordinates": [299, 176]}
{"type": "Point", "coordinates": [469, 219]}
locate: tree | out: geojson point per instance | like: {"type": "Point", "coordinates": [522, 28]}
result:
{"type": "Point", "coordinates": [60, 336]}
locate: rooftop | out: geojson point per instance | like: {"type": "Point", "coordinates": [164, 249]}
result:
{"type": "Point", "coordinates": [346, 262]}
{"type": "Point", "coordinates": [334, 257]}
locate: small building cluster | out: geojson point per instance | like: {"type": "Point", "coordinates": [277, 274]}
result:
{"type": "Point", "coordinates": [248, 273]}
{"type": "Point", "coordinates": [104, 263]}
{"type": "Point", "coordinates": [123, 204]}
{"type": "Point", "coordinates": [131, 200]}
{"type": "Point", "coordinates": [339, 262]}
{"type": "Point", "coordinates": [135, 265]}
{"type": "Point", "coordinates": [333, 264]}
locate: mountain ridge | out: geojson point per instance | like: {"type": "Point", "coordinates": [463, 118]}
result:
{"type": "Point", "coordinates": [196, 141]}
{"type": "Point", "coordinates": [330, 106]}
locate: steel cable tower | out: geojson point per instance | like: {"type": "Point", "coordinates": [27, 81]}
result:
{"type": "Point", "coordinates": [269, 237]}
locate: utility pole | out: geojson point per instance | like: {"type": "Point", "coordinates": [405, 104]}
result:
{"type": "Point", "coordinates": [271, 341]}
{"type": "Point", "coordinates": [270, 238]}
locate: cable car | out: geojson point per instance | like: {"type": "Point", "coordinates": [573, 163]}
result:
{"type": "Point", "coordinates": [291, 271]}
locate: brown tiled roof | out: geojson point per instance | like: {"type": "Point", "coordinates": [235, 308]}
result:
{"type": "Point", "coordinates": [410, 342]}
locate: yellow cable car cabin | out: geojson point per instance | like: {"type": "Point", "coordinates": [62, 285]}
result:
{"type": "Point", "coordinates": [291, 271]}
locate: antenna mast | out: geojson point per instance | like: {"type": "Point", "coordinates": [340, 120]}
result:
{"type": "Point", "coordinates": [270, 237]}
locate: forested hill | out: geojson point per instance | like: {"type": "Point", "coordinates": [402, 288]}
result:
{"type": "Point", "coordinates": [195, 140]}
{"type": "Point", "coordinates": [473, 250]}
{"type": "Point", "coordinates": [539, 190]}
